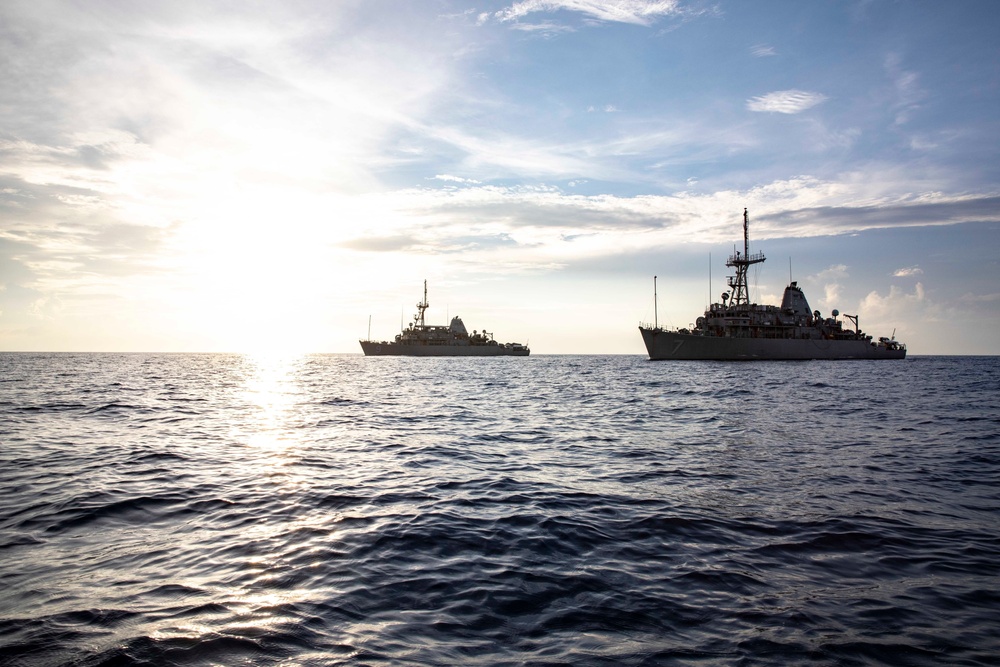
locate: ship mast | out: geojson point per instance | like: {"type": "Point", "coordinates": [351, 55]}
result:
{"type": "Point", "coordinates": [421, 307]}
{"type": "Point", "coordinates": [738, 283]}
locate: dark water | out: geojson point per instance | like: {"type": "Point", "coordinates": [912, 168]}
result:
{"type": "Point", "coordinates": [584, 510]}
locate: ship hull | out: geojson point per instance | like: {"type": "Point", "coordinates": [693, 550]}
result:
{"type": "Point", "coordinates": [663, 345]}
{"type": "Point", "coordinates": [374, 349]}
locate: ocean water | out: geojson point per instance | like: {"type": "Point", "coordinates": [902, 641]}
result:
{"type": "Point", "coordinates": [550, 510]}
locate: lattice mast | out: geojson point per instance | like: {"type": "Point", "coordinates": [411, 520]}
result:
{"type": "Point", "coordinates": [738, 283]}
{"type": "Point", "coordinates": [418, 320]}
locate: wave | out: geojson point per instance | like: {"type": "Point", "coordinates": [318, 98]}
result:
{"type": "Point", "coordinates": [180, 509]}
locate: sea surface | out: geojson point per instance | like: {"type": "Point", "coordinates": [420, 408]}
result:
{"type": "Point", "coordinates": [161, 509]}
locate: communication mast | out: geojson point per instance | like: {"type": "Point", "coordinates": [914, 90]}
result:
{"type": "Point", "coordinates": [738, 283]}
{"type": "Point", "coordinates": [421, 307]}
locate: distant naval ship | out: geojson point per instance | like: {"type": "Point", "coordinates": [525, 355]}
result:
{"type": "Point", "coordinates": [428, 340]}
{"type": "Point", "coordinates": [736, 329]}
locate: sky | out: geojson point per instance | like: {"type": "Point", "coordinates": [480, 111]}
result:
{"type": "Point", "coordinates": [201, 176]}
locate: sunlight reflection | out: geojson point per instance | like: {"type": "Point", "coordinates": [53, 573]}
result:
{"type": "Point", "coordinates": [272, 391]}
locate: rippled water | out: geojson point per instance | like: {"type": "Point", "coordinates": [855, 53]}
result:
{"type": "Point", "coordinates": [584, 510]}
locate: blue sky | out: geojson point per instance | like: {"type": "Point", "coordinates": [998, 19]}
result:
{"type": "Point", "coordinates": [201, 176]}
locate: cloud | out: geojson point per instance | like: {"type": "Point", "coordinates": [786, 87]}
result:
{"type": "Point", "coordinates": [57, 231]}
{"type": "Point", "coordinates": [832, 273]}
{"type": "Point", "coordinates": [637, 12]}
{"type": "Point", "coordinates": [289, 92]}
{"type": "Point", "coordinates": [762, 50]}
{"type": "Point", "coordinates": [493, 152]}
{"type": "Point", "coordinates": [891, 211]}
{"type": "Point", "coordinates": [896, 303]}
{"type": "Point", "coordinates": [906, 91]}
{"type": "Point", "coordinates": [908, 271]}
{"type": "Point", "coordinates": [831, 293]}
{"type": "Point", "coordinates": [969, 297]}
{"type": "Point", "coordinates": [382, 243]}
{"type": "Point", "coordinates": [547, 29]}
{"type": "Point", "coordinates": [439, 241]}
{"type": "Point", "coordinates": [832, 289]}
{"type": "Point", "coordinates": [785, 101]}
{"type": "Point", "coordinates": [454, 179]}
{"type": "Point", "coordinates": [512, 227]}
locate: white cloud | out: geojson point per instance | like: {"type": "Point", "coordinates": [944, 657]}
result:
{"type": "Point", "coordinates": [834, 272]}
{"type": "Point", "coordinates": [907, 93]}
{"type": "Point", "coordinates": [493, 151]}
{"type": "Point", "coordinates": [832, 289]}
{"type": "Point", "coordinates": [762, 50]}
{"type": "Point", "coordinates": [786, 101]}
{"type": "Point", "coordinates": [548, 29]}
{"type": "Point", "coordinates": [908, 271]}
{"type": "Point", "coordinates": [897, 302]}
{"type": "Point", "coordinates": [882, 315]}
{"type": "Point", "coordinates": [454, 179]}
{"type": "Point", "coordinates": [829, 278]}
{"type": "Point", "coordinates": [639, 12]}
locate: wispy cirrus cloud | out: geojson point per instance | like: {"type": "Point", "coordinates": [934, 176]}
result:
{"type": "Point", "coordinates": [786, 101]}
{"type": "Point", "coordinates": [548, 28]}
{"type": "Point", "coordinates": [907, 94]}
{"type": "Point", "coordinates": [762, 50]}
{"type": "Point", "coordinates": [638, 12]}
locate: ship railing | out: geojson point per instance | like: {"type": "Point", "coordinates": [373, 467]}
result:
{"type": "Point", "coordinates": [739, 258]}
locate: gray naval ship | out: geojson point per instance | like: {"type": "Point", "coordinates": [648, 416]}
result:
{"type": "Point", "coordinates": [428, 340]}
{"type": "Point", "coordinates": [739, 330]}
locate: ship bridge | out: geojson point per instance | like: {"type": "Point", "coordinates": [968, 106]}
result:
{"type": "Point", "coordinates": [794, 301]}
